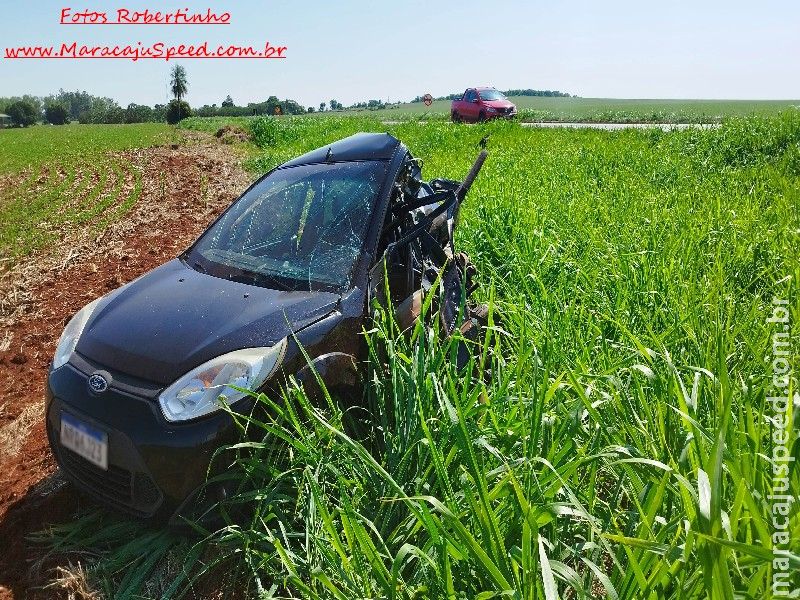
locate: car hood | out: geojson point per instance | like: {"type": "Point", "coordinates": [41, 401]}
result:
{"type": "Point", "coordinates": [499, 104]}
{"type": "Point", "coordinates": [173, 319]}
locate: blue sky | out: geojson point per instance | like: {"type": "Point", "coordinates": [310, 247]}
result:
{"type": "Point", "coordinates": [353, 51]}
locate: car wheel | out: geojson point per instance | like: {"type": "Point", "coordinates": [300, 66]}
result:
{"type": "Point", "coordinates": [482, 117]}
{"type": "Point", "coordinates": [455, 117]}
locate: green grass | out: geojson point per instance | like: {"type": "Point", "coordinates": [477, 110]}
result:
{"type": "Point", "coordinates": [618, 446]}
{"type": "Point", "coordinates": [534, 109]}
{"type": "Point", "coordinates": [70, 180]}
{"type": "Point", "coordinates": [34, 146]}
{"type": "Point", "coordinates": [610, 110]}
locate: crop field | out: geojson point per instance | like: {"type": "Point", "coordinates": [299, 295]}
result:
{"type": "Point", "coordinates": [66, 177]}
{"type": "Point", "coordinates": [603, 110]}
{"type": "Point", "coordinates": [614, 438]}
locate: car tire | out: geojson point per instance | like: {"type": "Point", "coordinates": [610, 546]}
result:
{"type": "Point", "coordinates": [455, 117]}
{"type": "Point", "coordinates": [482, 117]}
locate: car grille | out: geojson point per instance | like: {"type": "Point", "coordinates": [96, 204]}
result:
{"type": "Point", "coordinates": [135, 492]}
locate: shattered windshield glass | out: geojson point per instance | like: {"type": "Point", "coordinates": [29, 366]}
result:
{"type": "Point", "coordinates": [301, 228]}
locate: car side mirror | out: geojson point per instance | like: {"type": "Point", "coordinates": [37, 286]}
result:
{"type": "Point", "coordinates": [475, 101]}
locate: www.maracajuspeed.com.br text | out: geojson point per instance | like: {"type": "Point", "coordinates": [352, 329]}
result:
{"type": "Point", "coordinates": [159, 50]}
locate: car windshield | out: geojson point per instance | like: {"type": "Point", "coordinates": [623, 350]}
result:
{"type": "Point", "coordinates": [301, 228]}
{"type": "Point", "coordinates": [488, 95]}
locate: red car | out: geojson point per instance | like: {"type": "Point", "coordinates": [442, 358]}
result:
{"type": "Point", "coordinates": [481, 104]}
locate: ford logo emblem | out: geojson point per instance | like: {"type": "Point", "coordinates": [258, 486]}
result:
{"type": "Point", "coordinates": [98, 382]}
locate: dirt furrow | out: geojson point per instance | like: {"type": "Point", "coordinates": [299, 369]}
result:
{"type": "Point", "coordinates": [183, 189]}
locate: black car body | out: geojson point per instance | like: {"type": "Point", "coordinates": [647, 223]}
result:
{"type": "Point", "coordinates": [133, 392]}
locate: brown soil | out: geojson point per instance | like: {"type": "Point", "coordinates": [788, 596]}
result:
{"type": "Point", "coordinates": [183, 188]}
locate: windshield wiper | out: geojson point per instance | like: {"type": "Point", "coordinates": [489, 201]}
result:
{"type": "Point", "coordinates": [256, 277]}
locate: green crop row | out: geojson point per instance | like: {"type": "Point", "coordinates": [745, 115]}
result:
{"type": "Point", "coordinates": [68, 179]}
{"type": "Point", "coordinates": [35, 146]}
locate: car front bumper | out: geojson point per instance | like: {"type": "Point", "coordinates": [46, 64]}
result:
{"type": "Point", "coordinates": [502, 114]}
{"type": "Point", "coordinates": [154, 467]}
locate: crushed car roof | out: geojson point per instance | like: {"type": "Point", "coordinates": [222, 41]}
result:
{"type": "Point", "coordinates": [361, 146]}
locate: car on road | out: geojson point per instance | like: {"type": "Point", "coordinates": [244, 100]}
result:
{"type": "Point", "coordinates": [481, 104]}
{"type": "Point", "coordinates": [135, 391]}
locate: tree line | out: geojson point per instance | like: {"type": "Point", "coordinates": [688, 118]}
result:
{"type": "Point", "coordinates": [82, 107]}
{"type": "Point", "coordinates": [271, 106]}
{"type": "Point", "coordinates": [65, 107]}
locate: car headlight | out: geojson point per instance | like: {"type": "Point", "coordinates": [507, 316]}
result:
{"type": "Point", "coordinates": [491, 110]}
{"type": "Point", "coordinates": [72, 333]}
{"type": "Point", "coordinates": [203, 389]}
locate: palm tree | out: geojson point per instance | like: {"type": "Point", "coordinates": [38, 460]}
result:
{"type": "Point", "coordinates": [179, 85]}
{"type": "Point", "coordinates": [178, 82]}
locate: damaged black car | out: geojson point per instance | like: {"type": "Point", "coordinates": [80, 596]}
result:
{"type": "Point", "coordinates": [136, 386]}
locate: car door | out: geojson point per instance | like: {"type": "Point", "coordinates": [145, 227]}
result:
{"type": "Point", "coordinates": [470, 108]}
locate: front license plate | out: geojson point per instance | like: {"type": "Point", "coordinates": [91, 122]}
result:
{"type": "Point", "coordinates": [84, 440]}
